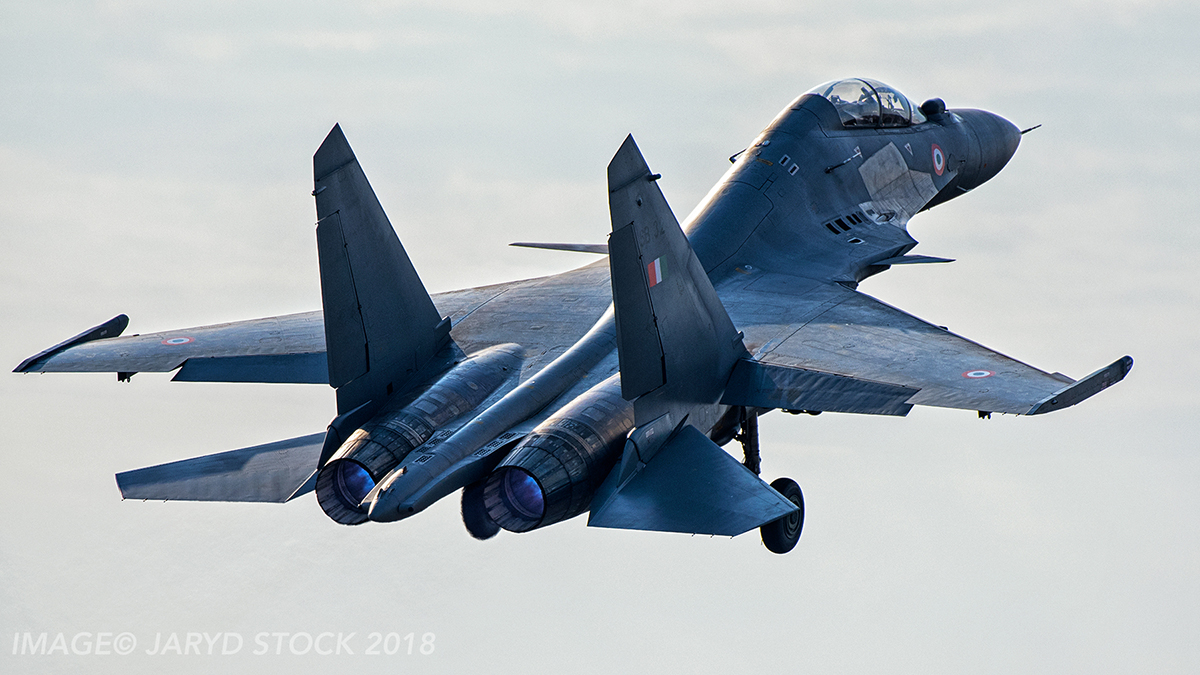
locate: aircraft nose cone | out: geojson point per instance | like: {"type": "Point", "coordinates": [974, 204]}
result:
{"type": "Point", "coordinates": [997, 140]}
{"type": "Point", "coordinates": [1007, 137]}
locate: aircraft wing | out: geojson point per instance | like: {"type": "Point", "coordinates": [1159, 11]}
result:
{"type": "Point", "coordinates": [278, 349]}
{"type": "Point", "coordinates": [545, 315]}
{"type": "Point", "coordinates": [806, 336]}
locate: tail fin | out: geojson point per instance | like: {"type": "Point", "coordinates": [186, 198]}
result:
{"type": "Point", "coordinates": [673, 334]}
{"type": "Point", "coordinates": [380, 324]}
{"type": "Point", "coordinates": [677, 346]}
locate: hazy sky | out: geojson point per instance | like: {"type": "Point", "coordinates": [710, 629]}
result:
{"type": "Point", "coordinates": [156, 161]}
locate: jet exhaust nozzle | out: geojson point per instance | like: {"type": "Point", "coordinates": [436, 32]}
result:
{"type": "Point", "coordinates": [554, 472]}
{"type": "Point", "coordinates": [380, 445]}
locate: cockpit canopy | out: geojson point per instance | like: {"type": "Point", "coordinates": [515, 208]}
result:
{"type": "Point", "coordinates": [863, 103]}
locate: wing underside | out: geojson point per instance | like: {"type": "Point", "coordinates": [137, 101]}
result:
{"type": "Point", "coordinates": [274, 472]}
{"type": "Point", "coordinates": [793, 323]}
{"type": "Point", "coordinates": [799, 331]}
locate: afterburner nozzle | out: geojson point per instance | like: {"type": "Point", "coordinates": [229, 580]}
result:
{"type": "Point", "coordinates": [518, 500]}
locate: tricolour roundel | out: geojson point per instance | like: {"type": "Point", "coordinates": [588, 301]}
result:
{"type": "Point", "coordinates": [180, 340]}
{"type": "Point", "coordinates": [978, 374]}
{"type": "Point", "coordinates": [939, 160]}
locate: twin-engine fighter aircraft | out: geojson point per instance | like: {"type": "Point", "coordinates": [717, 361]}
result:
{"type": "Point", "coordinates": [609, 389]}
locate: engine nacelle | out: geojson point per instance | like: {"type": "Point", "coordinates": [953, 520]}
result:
{"type": "Point", "coordinates": [403, 424]}
{"type": "Point", "coordinates": [554, 472]}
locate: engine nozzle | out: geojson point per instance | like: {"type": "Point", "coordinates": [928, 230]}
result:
{"type": "Point", "coordinates": [380, 445]}
{"type": "Point", "coordinates": [554, 472]}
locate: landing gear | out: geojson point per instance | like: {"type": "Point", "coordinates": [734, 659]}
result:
{"type": "Point", "coordinates": [780, 536]}
{"type": "Point", "coordinates": [749, 440]}
{"type": "Point", "coordinates": [474, 514]}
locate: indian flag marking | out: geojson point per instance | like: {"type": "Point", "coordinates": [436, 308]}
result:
{"type": "Point", "coordinates": [656, 271]}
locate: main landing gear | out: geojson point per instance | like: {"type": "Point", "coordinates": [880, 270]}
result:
{"type": "Point", "coordinates": [475, 515]}
{"type": "Point", "coordinates": [779, 536]}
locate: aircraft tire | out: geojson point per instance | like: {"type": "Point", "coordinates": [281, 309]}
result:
{"type": "Point", "coordinates": [474, 515]}
{"type": "Point", "coordinates": [781, 536]}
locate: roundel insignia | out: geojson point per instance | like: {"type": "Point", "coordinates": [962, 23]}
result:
{"type": "Point", "coordinates": [978, 374]}
{"type": "Point", "coordinates": [939, 160]}
{"type": "Point", "coordinates": [180, 340]}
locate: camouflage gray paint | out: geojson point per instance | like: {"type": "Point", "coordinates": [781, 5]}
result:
{"type": "Point", "coordinates": [751, 305]}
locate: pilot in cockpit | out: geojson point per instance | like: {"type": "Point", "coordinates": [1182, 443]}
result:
{"type": "Point", "coordinates": [863, 103]}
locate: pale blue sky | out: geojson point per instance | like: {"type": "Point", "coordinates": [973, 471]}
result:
{"type": "Point", "coordinates": [157, 161]}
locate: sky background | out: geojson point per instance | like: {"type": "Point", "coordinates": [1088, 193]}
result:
{"type": "Point", "coordinates": [156, 161]}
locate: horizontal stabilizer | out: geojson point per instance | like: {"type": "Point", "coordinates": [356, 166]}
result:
{"type": "Point", "coordinates": [109, 329]}
{"type": "Point", "coordinates": [762, 385]}
{"type": "Point", "coordinates": [311, 368]}
{"type": "Point", "coordinates": [601, 249]}
{"type": "Point", "coordinates": [275, 472]}
{"type": "Point", "coordinates": [690, 485]}
{"type": "Point", "coordinates": [912, 260]}
{"type": "Point", "coordinates": [1086, 388]}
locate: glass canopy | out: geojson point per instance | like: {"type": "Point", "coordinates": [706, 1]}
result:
{"type": "Point", "coordinates": [863, 103]}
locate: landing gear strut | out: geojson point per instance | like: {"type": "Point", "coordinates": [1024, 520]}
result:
{"type": "Point", "coordinates": [779, 536]}
{"type": "Point", "coordinates": [749, 440]}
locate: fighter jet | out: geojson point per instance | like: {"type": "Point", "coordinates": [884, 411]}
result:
{"type": "Point", "coordinates": [610, 389]}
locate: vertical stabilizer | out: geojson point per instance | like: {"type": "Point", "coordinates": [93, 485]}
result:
{"type": "Point", "coordinates": [380, 324]}
{"type": "Point", "coordinates": [674, 336]}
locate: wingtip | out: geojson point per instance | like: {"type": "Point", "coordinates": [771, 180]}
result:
{"type": "Point", "coordinates": [1085, 388]}
{"type": "Point", "coordinates": [109, 329]}
{"type": "Point", "coordinates": [120, 485]}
